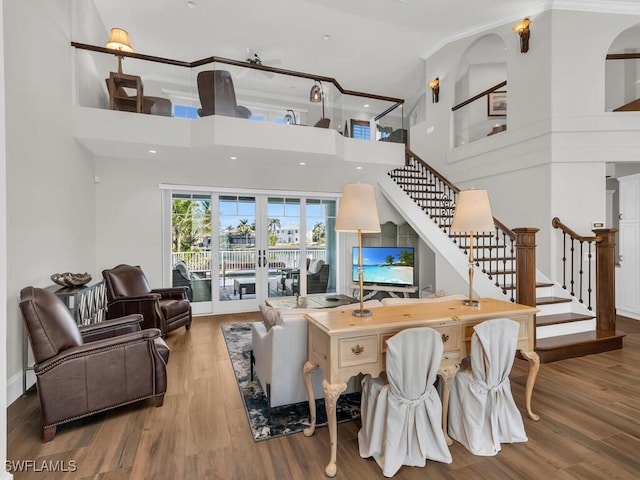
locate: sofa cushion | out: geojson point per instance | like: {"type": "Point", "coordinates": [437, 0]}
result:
{"type": "Point", "coordinates": [270, 315]}
{"type": "Point", "coordinates": [408, 301]}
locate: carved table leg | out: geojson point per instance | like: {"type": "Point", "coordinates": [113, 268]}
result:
{"type": "Point", "coordinates": [447, 374]}
{"type": "Point", "coordinates": [308, 370]}
{"type": "Point", "coordinates": [331, 394]}
{"type": "Point", "coordinates": [534, 365]}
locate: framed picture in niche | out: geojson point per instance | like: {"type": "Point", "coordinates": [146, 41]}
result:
{"type": "Point", "coordinates": [497, 104]}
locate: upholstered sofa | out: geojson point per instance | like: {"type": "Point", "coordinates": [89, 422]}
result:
{"type": "Point", "coordinates": [280, 352]}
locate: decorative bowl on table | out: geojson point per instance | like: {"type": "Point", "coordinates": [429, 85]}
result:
{"type": "Point", "coordinates": [69, 279]}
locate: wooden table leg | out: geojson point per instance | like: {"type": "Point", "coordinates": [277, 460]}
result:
{"type": "Point", "coordinates": [308, 370]}
{"type": "Point", "coordinates": [447, 374]}
{"type": "Point", "coordinates": [331, 395]}
{"type": "Point", "coordinates": [534, 365]}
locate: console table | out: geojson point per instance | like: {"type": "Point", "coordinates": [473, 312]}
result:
{"type": "Point", "coordinates": [344, 346]}
{"type": "Point", "coordinates": [313, 300]}
{"type": "Point", "coordinates": [392, 290]}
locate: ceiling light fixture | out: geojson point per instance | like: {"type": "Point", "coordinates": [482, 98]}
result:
{"type": "Point", "coordinates": [316, 95]}
{"type": "Point", "coordinates": [119, 41]}
{"type": "Point", "coordinates": [191, 4]}
{"type": "Point", "coordinates": [522, 29]}
{"type": "Point", "coordinates": [326, 37]}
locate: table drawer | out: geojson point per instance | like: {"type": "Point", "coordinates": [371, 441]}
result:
{"type": "Point", "coordinates": [450, 338]}
{"type": "Point", "coordinates": [357, 351]}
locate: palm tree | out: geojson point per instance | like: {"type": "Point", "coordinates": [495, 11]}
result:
{"type": "Point", "coordinates": [244, 228]}
{"type": "Point", "coordinates": [389, 259]}
{"type": "Point", "coordinates": [406, 257]}
{"type": "Point", "coordinates": [273, 225]}
{"type": "Point", "coordinates": [319, 233]}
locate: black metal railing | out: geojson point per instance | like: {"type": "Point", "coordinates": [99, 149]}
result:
{"type": "Point", "coordinates": [494, 252]}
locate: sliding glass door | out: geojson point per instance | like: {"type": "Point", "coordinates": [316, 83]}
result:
{"type": "Point", "coordinates": [233, 251]}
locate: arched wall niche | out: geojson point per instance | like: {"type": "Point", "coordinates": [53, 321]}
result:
{"type": "Point", "coordinates": [622, 76]}
{"type": "Point", "coordinates": [483, 65]}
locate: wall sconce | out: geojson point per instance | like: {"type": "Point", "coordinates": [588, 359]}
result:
{"type": "Point", "coordinates": [434, 85]}
{"type": "Point", "coordinates": [119, 40]}
{"type": "Point", "coordinates": [290, 118]}
{"type": "Point", "coordinates": [522, 29]}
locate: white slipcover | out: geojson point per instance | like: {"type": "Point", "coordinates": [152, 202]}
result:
{"type": "Point", "coordinates": [482, 412]}
{"type": "Point", "coordinates": [402, 419]}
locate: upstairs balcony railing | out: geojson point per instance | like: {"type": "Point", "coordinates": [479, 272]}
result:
{"type": "Point", "coordinates": [247, 89]}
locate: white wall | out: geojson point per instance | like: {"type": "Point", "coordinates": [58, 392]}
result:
{"type": "Point", "coordinates": [50, 193]}
{"type": "Point", "coordinates": [3, 258]}
{"type": "Point", "coordinates": [551, 160]}
{"type": "Point", "coordinates": [128, 200]}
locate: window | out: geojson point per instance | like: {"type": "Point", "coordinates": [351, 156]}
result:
{"type": "Point", "coordinates": [360, 129]}
{"type": "Point", "coordinates": [184, 111]}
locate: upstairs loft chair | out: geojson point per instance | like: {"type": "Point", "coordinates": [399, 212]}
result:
{"type": "Point", "coordinates": [86, 370]}
{"type": "Point", "coordinates": [402, 412]}
{"type": "Point", "coordinates": [128, 292]}
{"type": "Point", "coordinates": [482, 412]}
{"type": "Point", "coordinates": [150, 105]}
{"type": "Point", "coordinates": [218, 96]}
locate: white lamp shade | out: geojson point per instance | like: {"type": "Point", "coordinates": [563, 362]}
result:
{"type": "Point", "coordinates": [358, 209]}
{"type": "Point", "coordinates": [119, 40]}
{"type": "Point", "coordinates": [473, 212]}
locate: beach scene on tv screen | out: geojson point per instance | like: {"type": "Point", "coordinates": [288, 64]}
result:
{"type": "Point", "coordinates": [385, 265]}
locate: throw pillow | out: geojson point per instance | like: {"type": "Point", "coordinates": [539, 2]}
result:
{"type": "Point", "coordinates": [315, 266]}
{"type": "Point", "coordinates": [270, 316]}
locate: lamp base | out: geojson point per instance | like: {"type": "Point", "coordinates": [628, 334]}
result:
{"type": "Point", "coordinates": [470, 302]}
{"type": "Point", "coordinates": [361, 313]}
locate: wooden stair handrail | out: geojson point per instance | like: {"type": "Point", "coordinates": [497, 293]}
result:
{"type": "Point", "coordinates": [480, 95]}
{"type": "Point", "coordinates": [557, 223]}
{"type": "Point", "coordinates": [442, 178]}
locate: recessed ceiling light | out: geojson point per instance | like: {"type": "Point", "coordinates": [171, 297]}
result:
{"type": "Point", "coordinates": [233, 158]}
{"type": "Point", "coordinates": [152, 151]}
{"type": "Point", "coordinates": [191, 4]}
{"type": "Point", "coordinates": [366, 105]}
{"type": "Point", "coordinates": [358, 168]}
{"type": "Point", "coordinates": [303, 163]}
{"type": "Point", "coordinates": [326, 37]}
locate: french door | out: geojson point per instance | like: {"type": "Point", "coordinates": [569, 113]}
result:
{"type": "Point", "coordinates": [234, 250]}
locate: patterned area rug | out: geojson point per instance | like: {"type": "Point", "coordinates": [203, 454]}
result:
{"type": "Point", "coordinates": [284, 420]}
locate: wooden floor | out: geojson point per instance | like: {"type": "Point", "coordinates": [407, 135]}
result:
{"type": "Point", "coordinates": [589, 427]}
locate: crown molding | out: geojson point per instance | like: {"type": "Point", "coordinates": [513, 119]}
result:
{"type": "Point", "coordinates": [596, 6]}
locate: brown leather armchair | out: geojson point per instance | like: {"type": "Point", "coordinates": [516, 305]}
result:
{"type": "Point", "coordinates": [85, 370]}
{"type": "Point", "coordinates": [128, 292]}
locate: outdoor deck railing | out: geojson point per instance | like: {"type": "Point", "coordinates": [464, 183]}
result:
{"type": "Point", "coordinates": [200, 261]}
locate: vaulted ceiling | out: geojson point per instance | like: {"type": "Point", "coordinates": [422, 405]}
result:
{"type": "Point", "coordinates": [373, 46]}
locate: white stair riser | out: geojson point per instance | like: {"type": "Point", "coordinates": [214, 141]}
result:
{"type": "Point", "coordinates": [565, 328]}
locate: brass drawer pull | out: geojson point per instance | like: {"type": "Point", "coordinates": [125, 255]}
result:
{"type": "Point", "coordinates": [445, 337]}
{"type": "Point", "coordinates": [357, 349]}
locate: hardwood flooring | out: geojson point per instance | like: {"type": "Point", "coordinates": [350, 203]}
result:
{"type": "Point", "coordinates": [589, 427]}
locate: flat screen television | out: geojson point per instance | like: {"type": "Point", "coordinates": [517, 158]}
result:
{"type": "Point", "coordinates": [385, 265]}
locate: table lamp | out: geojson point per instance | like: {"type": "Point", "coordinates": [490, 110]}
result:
{"type": "Point", "coordinates": [119, 41]}
{"type": "Point", "coordinates": [358, 213]}
{"type": "Point", "coordinates": [472, 214]}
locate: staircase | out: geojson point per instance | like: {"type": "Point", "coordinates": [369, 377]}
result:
{"type": "Point", "coordinates": [566, 325]}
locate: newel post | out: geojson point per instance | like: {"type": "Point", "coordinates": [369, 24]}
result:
{"type": "Point", "coordinates": [526, 265]}
{"type": "Point", "coordinates": [605, 279]}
